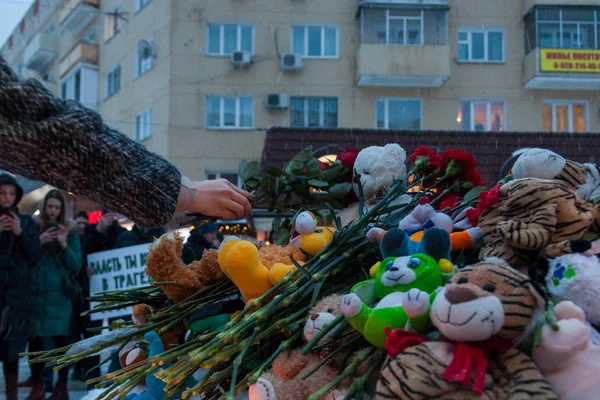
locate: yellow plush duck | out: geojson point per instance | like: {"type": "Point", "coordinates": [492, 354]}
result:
{"type": "Point", "coordinates": [311, 238]}
{"type": "Point", "coordinates": [254, 272]}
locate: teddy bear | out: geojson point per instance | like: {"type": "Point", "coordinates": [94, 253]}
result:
{"type": "Point", "coordinates": [482, 315]}
{"type": "Point", "coordinates": [546, 164]}
{"type": "Point", "coordinates": [376, 167]}
{"type": "Point", "coordinates": [164, 264]}
{"type": "Point", "coordinates": [285, 380]}
{"type": "Point", "coordinates": [529, 217]}
{"type": "Point", "coordinates": [255, 271]}
{"type": "Point", "coordinates": [423, 217]}
{"type": "Point", "coordinates": [403, 288]}
{"type": "Point", "coordinates": [309, 237]}
{"type": "Point", "coordinates": [568, 359]}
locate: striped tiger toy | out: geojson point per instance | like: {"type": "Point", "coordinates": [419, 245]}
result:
{"type": "Point", "coordinates": [483, 313]}
{"type": "Point", "coordinates": [534, 217]}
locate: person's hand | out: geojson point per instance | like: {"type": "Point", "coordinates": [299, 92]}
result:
{"type": "Point", "coordinates": [90, 271]}
{"type": "Point", "coordinates": [214, 198]}
{"type": "Point", "coordinates": [105, 222]}
{"type": "Point", "coordinates": [16, 224]}
{"type": "Point", "coordinates": [61, 236]}
{"type": "Point", "coordinates": [49, 236]}
{"type": "Point", "coordinates": [5, 223]}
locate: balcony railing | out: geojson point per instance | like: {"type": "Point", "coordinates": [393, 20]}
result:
{"type": "Point", "coordinates": [416, 3]}
{"type": "Point", "coordinates": [77, 14]}
{"type": "Point", "coordinates": [82, 52]}
{"type": "Point", "coordinates": [562, 69]}
{"type": "Point", "coordinates": [40, 52]}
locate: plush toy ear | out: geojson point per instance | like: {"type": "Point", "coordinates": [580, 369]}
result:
{"type": "Point", "coordinates": [394, 243]}
{"type": "Point", "coordinates": [397, 152]}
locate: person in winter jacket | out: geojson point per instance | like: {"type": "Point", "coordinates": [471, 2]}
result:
{"type": "Point", "coordinates": [201, 239]}
{"type": "Point", "coordinates": [19, 250]}
{"type": "Point", "coordinates": [137, 236]}
{"type": "Point", "coordinates": [75, 151]}
{"type": "Point", "coordinates": [51, 302]}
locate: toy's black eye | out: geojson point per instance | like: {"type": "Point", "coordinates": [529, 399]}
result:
{"type": "Point", "coordinates": [414, 263]}
{"type": "Point", "coordinates": [388, 266]}
{"type": "Point", "coordinates": [330, 310]}
{"type": "Point", "coordinates": [463, 280]}
{"type": "Point", "coordinates": [489, 288]}
{"type": "Point", "coordinates": [366, 173]}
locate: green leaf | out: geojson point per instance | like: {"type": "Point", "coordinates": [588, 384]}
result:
{"type": "Point", "coordinates": [318, 183]}
{"type": "Point", "coordinates": [252, 170]}
{"type": "Point", "coordinates": [473, 194]}
{"type": "Point", "coordinates": [268, 185]}
{"type": "Point", "coordinates": [282, 237]}
{"type": "Point", "coordinates": [340, 190]}
{"type": "Point", "coordinates": [276, 224]}
{"type": "Point", "coordinates": [312, 168]}
{"type": "Point", "coordinates": [242, 168]}
{"type": "Point", "coordinates": [274, 171]}
{"type": "Point", "coordinates": [297, 163]}
{"type": "Point", "coordinates": [333, 172]}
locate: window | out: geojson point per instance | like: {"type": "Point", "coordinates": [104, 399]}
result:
{"type": "Point", "coordinates": [229, 112]}
{"type": "Point", "coordinates": [230, 176]}
{"type": "Point", "coordinates": [20, 71]}
{"type": "Point", "coordinates": [141, 4]}
{"type": "Point", "coordinates": [404, 26]}
{"type": "Point", "coordinates": [90, 36]}
{"type": "Point", "coordinates": [70, 87]}
{"type": "Point", "coordinates": [315, 41]}
{"type": "Point", "coordinates": [224, 39]}
{"type": "Point", "coordinates": [143, 125]}
{"type": "Point", "coordinates": [144, 57]}
{"type": "Point", "coordinates": [481, 115]}
{"type": "Point", "coordinates": [112, 24]}
{"type": "Point", "coordinates": [314, 112]}
{"type": "Point", "coordinates": [564, 116]}
{"type": "Point", "coordinates": [399, 114]}
{"type": "Point", "coordinates": [112, 82]}
{"type": "Point", "coordinates": [483, 45]}
{"type": "Point", "coordinates": [563, 28]}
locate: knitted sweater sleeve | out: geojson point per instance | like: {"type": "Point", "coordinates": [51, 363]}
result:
{"type": "Point", "coordinates": [66, 145]}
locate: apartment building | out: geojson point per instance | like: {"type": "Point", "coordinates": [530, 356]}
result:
{"type": "Point", "coordinates": [200, 81]}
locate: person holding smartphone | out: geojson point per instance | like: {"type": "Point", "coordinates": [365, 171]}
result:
{"type": "Point", "coordinates": [19, 249]}
{"type": "Point", "coordinates": [51, 304]}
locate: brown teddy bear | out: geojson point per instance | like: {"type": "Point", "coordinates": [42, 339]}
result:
{"type": "Point", "coordinates": [285, 380]}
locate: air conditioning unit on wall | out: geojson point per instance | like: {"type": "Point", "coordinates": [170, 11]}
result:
{"type": "Point", "coordinates": [291, 61]}
{"type": "Point", "coordinates": [241, 58]}
{"type": "Point", "coordinates": [277, 101]}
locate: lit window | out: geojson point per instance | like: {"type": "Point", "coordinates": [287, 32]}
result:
{"type": "Point", "coordinates": [318, 41]}
{"type": "Point", "coordinates": [224, 39]}
{"type": "Point", "coordinates": [314, 112]}
{"type": "Point", "coordinates": [143, 125]}
{"type": "Point", "coordinates": [481, 45]}
{"type": "Point", "coordinates": [481, 115]}
{"type": "Point", "coordinates": [111, 23]}
{"type": "Point", "coordinates": [404, 26]}
{"type": "Point", "coordinates": [144, 57]}
{"type": "Point", "coordinates": [230, 176]}
{"type": "Point", "coordinates": [564, 116]}
{"type": "Point", "coordinates": [229, 112]}
{"type": "Point", "coordinates": [399, 114]}
{"type": "Point", "coordinates": [112, 82]}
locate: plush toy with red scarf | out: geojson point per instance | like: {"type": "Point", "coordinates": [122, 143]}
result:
{"type": "Point", "coordinates": [482, 315]}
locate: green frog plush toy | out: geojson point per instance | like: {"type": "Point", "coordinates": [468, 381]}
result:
{"type": "Point", "coordinates": [402, 289]}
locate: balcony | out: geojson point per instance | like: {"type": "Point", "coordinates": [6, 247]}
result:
{"type": "Point", "coordinates": [77, 14]}
{"type": "Point", "coordinates": [562, 69]}
{"type": "Point", "coordinates": [48, 82]}
{"type": "Point", "coordinates": [403, 66]}
{"type": "Point", "coordinates": [529, 4]}
{"type": "Point", "coordinates": [81, 53]}
{"type": "Point", "coordinates": [416, 3]}
{"type": "Point", "coordinates": [40, 52]}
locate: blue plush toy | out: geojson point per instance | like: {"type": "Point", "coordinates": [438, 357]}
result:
{"type": "Point", "coordinates": [397, 243]}
{"type": "Point", "coordinates": [155, 388]}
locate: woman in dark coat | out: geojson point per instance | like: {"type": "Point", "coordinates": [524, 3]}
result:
{"type": "Point", "coordinates": [51, 306]}
{"type": "Point", "coordinates": [19, 249]}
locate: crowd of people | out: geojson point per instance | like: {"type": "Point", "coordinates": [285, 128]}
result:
{"type": "Point", "coordinates": [45, 280]}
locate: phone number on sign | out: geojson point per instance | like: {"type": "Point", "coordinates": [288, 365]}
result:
{"type": "Point", "coordinates": [570, 65]}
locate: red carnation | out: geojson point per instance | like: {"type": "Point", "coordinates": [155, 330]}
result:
{"type": "Point", "coordinates": [422, 151]}
{"type": "Point", "coordinates": [427, 160]}
{"type": "Point", "coordinates": [450, 201]}
{"type": "Point", "coordinates": [459, 162]}
{"type": "Point", "coordinates": [348, 158]}
{"type": "Point", "coordinates": [474, 176]}
{"type": "Point", "coordinates": [323, 165]}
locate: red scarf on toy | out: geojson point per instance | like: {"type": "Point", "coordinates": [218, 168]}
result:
{"type": "Point", "coordinates": [467, 358]}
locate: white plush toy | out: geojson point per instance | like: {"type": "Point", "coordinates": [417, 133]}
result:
{"type": "Point", "coordinates": [546, 164]}
{"type": "Point", "coordinates": [377, 167]}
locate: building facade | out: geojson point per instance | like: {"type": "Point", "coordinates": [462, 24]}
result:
{"type": "Point", "coordinates": [200, 81]}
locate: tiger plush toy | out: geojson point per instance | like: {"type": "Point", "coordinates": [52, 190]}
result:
{"type": "Point", "coordinates": [531, 217]}
{"type": "Point", "coordinates": [482, 314]}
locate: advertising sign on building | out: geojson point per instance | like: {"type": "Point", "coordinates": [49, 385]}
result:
{"type": "Point", "coordinates": [570, 60]}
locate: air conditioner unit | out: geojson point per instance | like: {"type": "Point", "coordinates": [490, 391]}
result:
{"type": "Point", "coordinates": [291, 61]}
{"type": "Point", "coordinates": [241, 58]}
{"type": "Point", "coordinates": [277, 101]}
